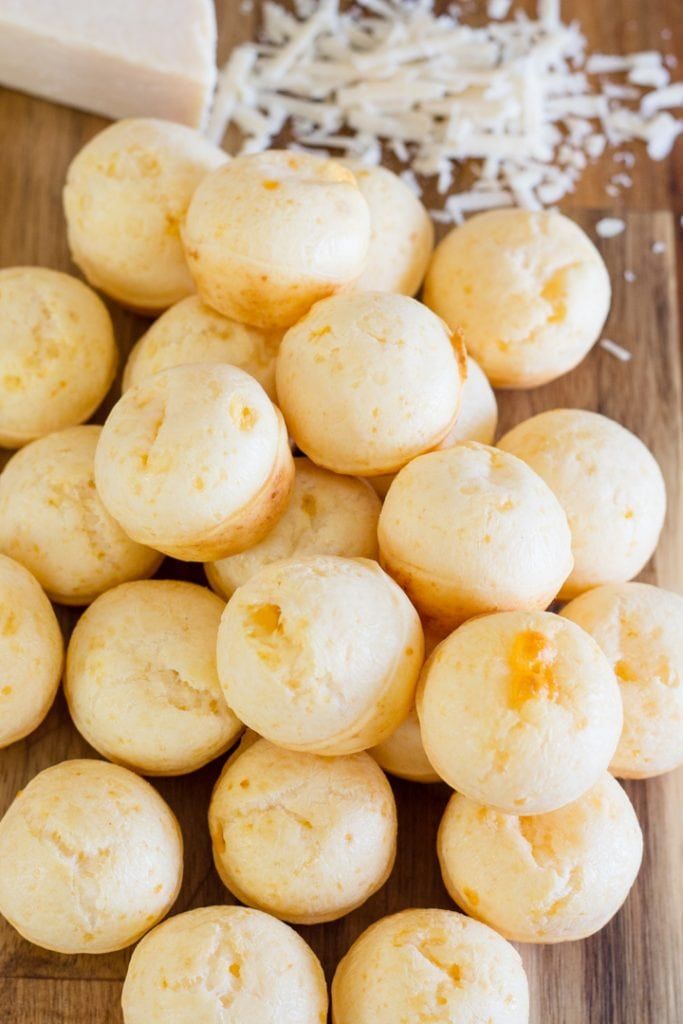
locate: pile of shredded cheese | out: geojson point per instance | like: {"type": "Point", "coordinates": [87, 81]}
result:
{"type": "Point", "coordinates": [518, 96]}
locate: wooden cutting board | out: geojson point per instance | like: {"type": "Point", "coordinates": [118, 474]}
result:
{"type": "Point", "coordinates": [632, 972]}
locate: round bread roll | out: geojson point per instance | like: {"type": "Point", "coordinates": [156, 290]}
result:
{"type": "Point", "coordinates": [369, 380]}
{"type": "Point", "coordinates": [403, 753]}
{"type": "Point", "coordinates": [477, 419]}
{"type": "Point", "coordinates": [191, 332]}
{"type": "Point", "coordinates": [53, 521]}
{"type": "Point", "coordinates": [470, 530]}
{"type": "Point", "coordinates": [530, 292]}
{"type": "Point", "coordinates": [305, 838]}
{"type": "Point", "coordinates": [606, 481]}
{"type": "Point", "coordinates": [195, 461]}
{"type": "Point", "coordinates": [141, 679]}
{"type": "Point", "coordinates": [31, 653]}
{"type": "Point", "coordinates": [327, 515]}
{"type": "Point", "coordinates": [520, 711]}
{"type": "Point", "coordinates": [320, 654]}
{"type": "Point", "coordinates": [58, 356]}
{"type": "Point", "coordinates": [640, 630]}
{"type": "Point", "coordinates": [224, 964]}
{"type": "Point", "coordinates": [547, 877]}
{"type": "Point", "coordinates": [430, 965]}
{"type": "Point", "coordinates": [92, 858]}
{"type": "Point", "coordinates": [401, 232]}
{"type": "Point", "coordinates": [269, 234]}
{"type": "Point", "coordinates": [126, 195]}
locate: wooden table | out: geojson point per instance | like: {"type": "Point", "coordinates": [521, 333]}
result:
{"type": "Point", "coordinates": [632, 972]}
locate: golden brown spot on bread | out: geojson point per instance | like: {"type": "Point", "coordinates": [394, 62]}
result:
{"type": "Point", "coordinates": [263, 620]}
{"type": "Point", "coordinates": [624, 672]}
{"type": "Point", "coordinates": [242, 415]}
{"type": "Point", "coordinates": [320, 332]}
{"type": "Point", "coordinates": [309, 505]}
{"type": "Point", "coordinates": [471, 896]}
{"type": "Point", "coordinates": [6, 690]}
{"type": "Point", "coordinates": [531, 660]}
{"type": "Point", "coordinates": [235, 970]}
{"type": "Point", "coordinates": [270, 184]}
{"type": "Point", "coordinates": [11, 624]}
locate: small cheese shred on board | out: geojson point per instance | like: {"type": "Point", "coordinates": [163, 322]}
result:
{"type": "Point", "coordinates": [518, 96]}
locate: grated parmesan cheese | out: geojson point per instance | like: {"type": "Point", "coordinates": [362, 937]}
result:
{"type": "Point", "coordinates": [618, 351]}
{"type": "Point", "coordinates": [609, 227]}
{"type": "Point", "coordinates": [517, 95]}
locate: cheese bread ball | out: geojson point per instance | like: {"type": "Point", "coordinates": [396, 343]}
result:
{"type": "Point", "coordinates": [305, 838]}
{"type": "Point", "coordinates": [477, 418]}
{"type": "Point", "coordinates": [141, 679]}
{"type": "Point", "coordinates": [550, 877]}
{"type": "Point", "coordinates": [640, 630]}
{"type": "Point", "coordinates": [327, 515]}
{"type": "Point", "coordinates": [126, 195]}
{"type": "Point", "coordinates": [470, 530]}
{"type": "Point", "coordinates": [320, 654]}
{"type": "Point", "coordinates": [31, 653]}
{"type": "Point", "coordinates": [606, 481]}
{"type": "Point", "coordinates": [227, 964]}
{"type": "Point", "coordinates": [520, 711]}
{"type": "Point", "coordinates": [401, 232]}
{"type": "Point", "coordinates": [53, 521]}
{"type": "Point", "coordinates": [92, 857]}
{"type": "Point", "coordinates": [190, 332]}
{"type": "Point", "coordinates": [195, 461]}
{"type": "Point", "coordinates": [403, 753]}
{"type": "Point", "coordinates": [529, 291]}
{"type": "Point", "coordinates": [369, 380]}
{"type": "Point", "coordinates": [57, 353]}
{"type": "Point", "coordinates": [269, 234]}
{"type": "Point", "coordinates": [430, 965]}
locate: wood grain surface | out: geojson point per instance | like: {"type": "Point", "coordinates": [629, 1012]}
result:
{"type": "Point", "coordinates": [631, 972]}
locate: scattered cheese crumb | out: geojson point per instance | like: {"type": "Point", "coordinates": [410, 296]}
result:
{"type": "Point", "coordinates": [609, 227]}
{"type": "Point", "coordinates": [517, 95]}
{"type": "Point", "coordinates": [619, 351]}
{"type": "Point", "coordinates": [630, 276]}
{"type": "Point", "coordinates": [658, 248]}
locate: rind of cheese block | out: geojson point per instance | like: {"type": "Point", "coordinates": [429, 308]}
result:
{"type": "Point", "coordinates": [120, 58]}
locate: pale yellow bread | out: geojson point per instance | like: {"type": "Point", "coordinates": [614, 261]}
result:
{"type": "Point", "coordinates": [368, 380]}
{"type": "Point", "coordinates": [401, 235]}
{"type": "Point", "coordinates": [53, 521]}
{"type": "Point", "coordinates": [520, 711]}
{"type": "Point", "coordinates": [269, 234]}
{"type": "Point", "coordinates": [551, 877]}
{"type": "Point", "coordinates": [195, 461]}
{"type": "Point", "coordinates": [126, 195]}
{"type": "Point", "coordinates": [431, 966]}
{"type": "Point", "coordinates": [141, 680]}
{"type": "Point", "coordinates": [470, 530]}
{"type": "Point", "coordinates": [58, 355]}
{"type": "Point", "coordinates": [529, 291]}
{"type": "Point", "coordinates": [607, 482]}
{"type": "Point", "coordinates": [640, 629]}
{"type": "Point", "coordinates": [31, 652]}
{"type": "Point", "coordinates": [302, 837]}
{"type": "Point", "coordinates": [92, 858]}
{"type": "Point", "coordinates": [192, 332]}
{"type": "Point", "coordinates": [327, 514]}
{"type": "Point", "coordinates": [320, 654]}
{"type": "Point", "coordinates": [224, 964]}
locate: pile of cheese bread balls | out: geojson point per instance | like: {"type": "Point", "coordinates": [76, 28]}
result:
{"type": "Point", "coordinates": [378, 602]}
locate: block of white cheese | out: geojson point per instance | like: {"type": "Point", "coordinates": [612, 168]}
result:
{"type": "Point", "coordinates": [120, 58]}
